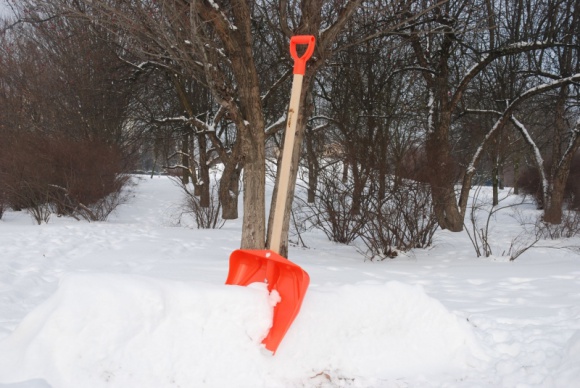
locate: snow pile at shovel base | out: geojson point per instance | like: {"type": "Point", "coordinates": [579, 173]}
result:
{"type": "Point", "coordinates": [102, 330]}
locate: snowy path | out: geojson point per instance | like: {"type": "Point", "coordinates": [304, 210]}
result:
{"type": "Point", "coordinates": [466, 322]}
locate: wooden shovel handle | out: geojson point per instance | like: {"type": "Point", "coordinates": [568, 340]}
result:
{"type": "Point", "coordinates": [292, 118]}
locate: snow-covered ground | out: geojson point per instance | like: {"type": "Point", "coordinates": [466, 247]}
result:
{"type": "Point", "coordinates": [140, 302]}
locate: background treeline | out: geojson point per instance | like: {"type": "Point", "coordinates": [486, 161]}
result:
{"type": "Point", "coordinates": [407, 104]}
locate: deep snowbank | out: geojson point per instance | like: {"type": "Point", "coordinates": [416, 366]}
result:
{"type": "Point", "coordinates": [130, 331]}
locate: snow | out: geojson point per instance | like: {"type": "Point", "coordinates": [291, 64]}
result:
{"type": "Point", "coordinates": [431, 106]}
{"type": "Point", "coordinates": [126, 330]}
{"type": "Point", "coordinates": [5, 10]}
{"type": "Point", "coordinates": [214, 5]}
{"type": "Point", "coordinates": [140, 302]}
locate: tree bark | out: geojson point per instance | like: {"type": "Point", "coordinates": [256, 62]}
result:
{"type": "Point", "coordinates": [313, 166]}
{"type": "Point", "coordinates": [495, 184]}
{"type": "Point", "coordinates": [185, 175]}
{"type": "Point", "coordinates": [553, 204]}
{"type": "Point", "coordinates": [442, 178]}
{"type": "Point", "coordinates": [228, 191]}
{"type": "Point", "coordinates": [204, 185]}
{"type": "Point", "coordinates": [245, 110]}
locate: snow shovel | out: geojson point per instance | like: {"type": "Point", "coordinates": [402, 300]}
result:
{"type": "Point", "coordinates": [280, 274]}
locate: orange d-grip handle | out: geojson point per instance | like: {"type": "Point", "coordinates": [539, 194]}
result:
{"type": "Point", "coordinates": [300, 62]}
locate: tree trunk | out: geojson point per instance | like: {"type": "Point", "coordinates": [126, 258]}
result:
{"type": "Point", "coordinates": [246, 113]}
{"type": "Point", "coordinates": [516, 176]}
{"type": "Point", "coordinates": [495, 184]}
{"type": "Point", "coordinates": [254, 179]}
{"type": "Point", "coordinates": [313, 166]}
{"type": "Point", "coordinates": [442, 180]}
{"type": "Point", "coordinates": [253, 155]}
{"type": "Point", "coordinates": [185, 175]}
{"type": "Point", "coordinates": [357, 188]}
{"type": "Point", "coordinates": [204, 179]}
{"type": "Point", "coordinates": [383, 165]}
{"type": "Point", "coordinates": [193, 169]}
{"type": "Point", "coordinates": [345, 167]}
{"type": "Point", "coordinates": [445, 208]}
{"type": "Point", "coordinates": [553, 204]}
{"type": "Point", "coordinates": [229, 191]}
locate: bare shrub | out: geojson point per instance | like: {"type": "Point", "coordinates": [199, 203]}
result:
{"type": "Point", "coordinates": [205, 217]}
{"type": "Point", "coordinates": [25, 179]}
{"type": "Point", "coordinates": [479, 232]}
{"type": "Point", "coordinates": [99, 210]}
{"type": "Point", "coordinates": [535, 230]}
{"type": "Point", "coordinates": [402, 221]}
{"type": "Point", "coordinates": [31, 197]}
{"type": "Point", "coordinates": [521, 243]}
{"type": "Point", "coordinates": [78, 178]}
{"type": "Point", "coordinates": [413, 165]}
{"type": "Point", "coordinates": [529, 182]}
{"type": "Point", "coordinates": [334, 211]}
{"type": "Point", "coordinates": [569, 227]}
{"type": "Point", "coordinates": [41, 212]}
{"type": "Point", "coordinates": [88, 178]}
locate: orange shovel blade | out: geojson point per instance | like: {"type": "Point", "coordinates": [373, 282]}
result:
{"type": "Point", "coordinates": [291, 282]}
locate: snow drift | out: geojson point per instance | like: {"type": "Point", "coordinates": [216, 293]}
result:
{"type": "Point", "coordinates": [110, 330]}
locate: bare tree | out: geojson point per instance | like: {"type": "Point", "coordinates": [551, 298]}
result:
{"type": "Point", "coordinates": [545, 76]}
{"type": "Point", "coordinates": [211, 44]}
{"type": "Point", "coordinates": [450, 52]}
